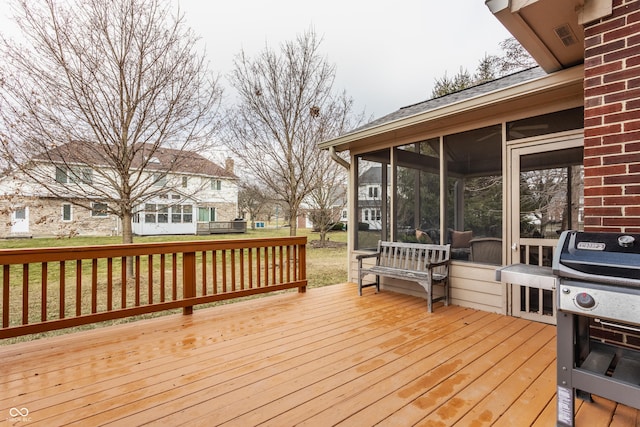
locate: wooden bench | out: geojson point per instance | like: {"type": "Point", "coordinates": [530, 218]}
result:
{"type": "Point", "coordinates": [425, 264]}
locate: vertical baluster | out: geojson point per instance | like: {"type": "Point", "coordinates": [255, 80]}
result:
{"type": "Point", "coordinates": [214, 270]}
{"type": "Point", "coordinates": [258, 267]}
{"type": "Point", "coordinates": [5, 296]}
{"type": "Point", "coordinates": [250, 260]}
{"type": "Point", "coordinates": [204, 273]}
{"type": "Point", "coordinates": [137, 281]}
{"type": "Point", "coordinates": [150, 278]}
{"type": "Point", "coordinates": [163, 260]}
{"type": "Point", "coordinates": [109, 284]}
{"type": "Point", "coordinates": [25, 294]}
{"type": "Point", "coordinates": [233, 269]}
{"type": "Point", "coordinates": [44, 275]}
{"type": "Point", "coordinates": [242, 268]}
{"type": "Point", "coordinates": [78, 287]}
{"type": "Point", "coordinates": [288, 261]}
{"type": "Point", "coordinates": [63, 297]}
{"type": "Point", "coordinates": [224, 271]}
{"type": "Point", "coordinates": [273, 265]}
{"type": "Point", "coordinates": [297, 261]}
{"type": "Point", "coordinates": [174, 276]}
{"type": "Point", "coordinates": [281, 260]}
{"type": "Point", "coordinates": [94, 285]}
{"type": "Point", "coordinates": [123, 282]}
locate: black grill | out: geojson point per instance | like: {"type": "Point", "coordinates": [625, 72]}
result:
{"type": "Point", "coordinates": [598, 290]}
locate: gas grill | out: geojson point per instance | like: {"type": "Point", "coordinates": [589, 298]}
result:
{"type": "Point", "coordinates": [598, 319]}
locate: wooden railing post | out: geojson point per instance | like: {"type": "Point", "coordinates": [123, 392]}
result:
{"type": "Point", "coordinates": [188, 279]}
{"type": "Point", "coordinates": [302, 260]}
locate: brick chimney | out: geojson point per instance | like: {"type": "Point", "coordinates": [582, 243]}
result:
{"type": "Point", "coordinates": [228, 165]}
{"type": "Point", "coordinates": [612, 120]}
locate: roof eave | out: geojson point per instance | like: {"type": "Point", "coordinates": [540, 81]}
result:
{"type": "Point", "coordinates": [541, 84]}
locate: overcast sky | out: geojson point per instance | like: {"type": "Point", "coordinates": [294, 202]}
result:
{"type": "Point", "coordinates": [387, 54]}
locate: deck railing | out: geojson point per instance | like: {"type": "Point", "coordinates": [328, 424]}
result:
{"type": "Point", "coordinates": [531, 302]}
{"type": "Point", "coordinates": [55, 288]}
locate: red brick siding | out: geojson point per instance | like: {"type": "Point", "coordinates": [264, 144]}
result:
{"type": "Point", "coordinates": [612, 120]}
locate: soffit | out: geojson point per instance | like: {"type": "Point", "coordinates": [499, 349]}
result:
{"type": "Point", "coordinates": [550, 30]}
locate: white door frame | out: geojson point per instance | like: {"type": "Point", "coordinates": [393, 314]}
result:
{"type": "Point", "coordinates": [514, 152]}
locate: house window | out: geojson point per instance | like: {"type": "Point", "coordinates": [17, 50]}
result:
{"type": "Point", "coordinates": [65, 175]}
{"type": "Point", "coordinates": [185, 181]}
{"type": "Point", "coordinates": [163, 214]}
{"type": "Point", "coordinates": [373, 192]}
{"type": "Point", "coordinates": [20, 213]}
{"type": "Point", "coordinates": [366, 215]}
{"type": "Point", "coordinates": [82, 175]}
{"type": "Point", "coordinates": [206, 214]}
{"type": "Point", "coordinates": [150, 213]}
{"type": "Point", "coordinates": [159, 179]}
{"type": "Point", "coordinates": [99, 210]}
{"type": "Point", "coordinates": [66, 212]}
{"type": "Point", "coordinates": [156, 213]}
{"type": "Point", "coordinates": [61, 175]}
{"type": "Point", "coordinates": [216, 184]}
{"type": "Point", "coordinates": [182, 214]}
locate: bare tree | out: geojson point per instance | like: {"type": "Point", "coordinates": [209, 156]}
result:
{"type": "Point", "coordinates": [112, 94]}
{"type": "Point", "coordinates": [253, 199]}
{"type": "Point", "coordinates": [286, 107]}
{"type": "Point", "coordinates": [328, 198]}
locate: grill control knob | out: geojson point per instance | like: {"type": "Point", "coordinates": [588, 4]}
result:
{"type": "Point", "coordinates": [585, 300]}
{"type": "Point", "coordinates": [626, 241]}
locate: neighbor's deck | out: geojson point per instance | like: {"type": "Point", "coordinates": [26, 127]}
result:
{"type": "Point", "coordinates": [323, 357]}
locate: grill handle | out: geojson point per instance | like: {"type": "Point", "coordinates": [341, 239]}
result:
{"type": "Point", "coordinates": [616, 325]}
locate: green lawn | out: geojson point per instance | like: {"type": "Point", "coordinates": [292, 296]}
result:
{"type": "Point", "coordinates": [325, 266]}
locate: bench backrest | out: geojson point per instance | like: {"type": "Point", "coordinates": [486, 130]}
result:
{"type": "Point", "coordinates": [412, 256]}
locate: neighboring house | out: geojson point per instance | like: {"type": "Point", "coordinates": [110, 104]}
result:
{"type": "Point", "coordinates": [370, 191]}
{"type": "Point", "coordinates": [193, 192]}
{"type": "Point", "coordinates": [458, 161]}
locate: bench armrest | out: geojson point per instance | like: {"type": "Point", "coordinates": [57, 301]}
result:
{"type": "Point", "coordinates": [371, 255]}
{"type": "Point", "coordinates": [431, 265]}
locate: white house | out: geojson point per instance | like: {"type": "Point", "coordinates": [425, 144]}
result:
{"type": "Point", "coordinates": [177, 192]}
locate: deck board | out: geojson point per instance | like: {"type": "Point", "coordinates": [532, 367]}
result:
{"type": "Point", "coordinates": [326, 357]}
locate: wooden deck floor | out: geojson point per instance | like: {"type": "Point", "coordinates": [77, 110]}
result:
{"type": "Point", "coordinates": [326, 357]}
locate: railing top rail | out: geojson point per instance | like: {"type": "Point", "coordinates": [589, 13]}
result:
{"type": "Point", "coordinates": [28, 255]}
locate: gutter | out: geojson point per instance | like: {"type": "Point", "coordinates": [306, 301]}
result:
{"type": "Point", "coordinates": [334, 156]}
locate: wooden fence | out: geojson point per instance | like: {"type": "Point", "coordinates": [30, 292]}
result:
{"type": "Point", "coordinates": [55, 288]}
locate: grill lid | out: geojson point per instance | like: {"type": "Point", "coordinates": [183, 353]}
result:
{"type": "Point", "coordinates": [612, 258]}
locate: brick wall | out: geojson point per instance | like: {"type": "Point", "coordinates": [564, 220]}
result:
{"type": "Point", "coordinates": [612, 120]}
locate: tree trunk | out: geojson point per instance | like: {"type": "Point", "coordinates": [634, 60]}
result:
{"type": "Point", "coordinates": [127, 237]}
{"type": "Point", "coordinates": [293, 223]}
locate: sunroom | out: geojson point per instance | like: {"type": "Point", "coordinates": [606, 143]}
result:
{"type": "Point", "coordinates": [494, 170]}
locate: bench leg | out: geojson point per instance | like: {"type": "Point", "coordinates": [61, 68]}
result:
{"type": "Point", "coordinates": [446, 292]}
{"type": "Point", "coordinates": [360, 285]}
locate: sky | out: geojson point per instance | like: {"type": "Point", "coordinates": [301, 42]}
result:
{"type": "Point", "coordinates": [386, 54]}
